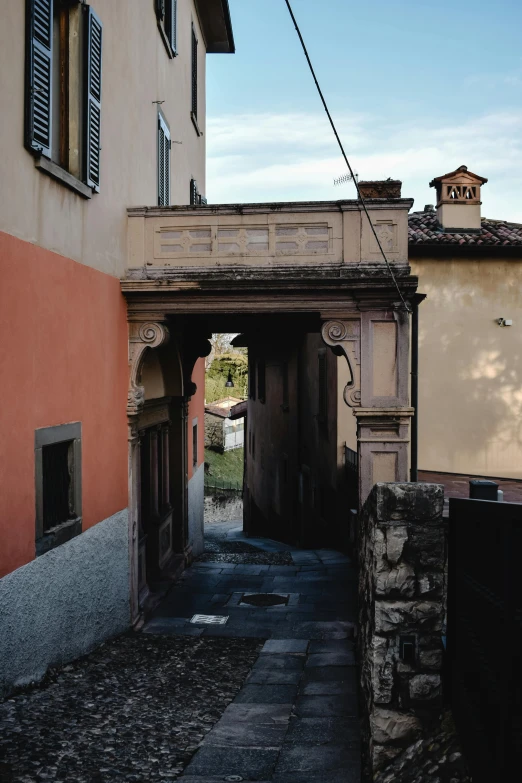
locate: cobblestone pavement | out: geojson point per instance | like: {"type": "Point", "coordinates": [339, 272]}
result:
{"type": "Point", "coordinates": [295, 719]}
{"type": "Point", "coordinates": [270, 696]}
{"type": "Point", "coordinates": [134, 710]}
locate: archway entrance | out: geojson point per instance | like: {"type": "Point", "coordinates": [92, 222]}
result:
{"type": "Point", "coordinates": [327, 334]}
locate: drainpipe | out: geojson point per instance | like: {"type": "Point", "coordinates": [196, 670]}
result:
{"type": "Point", "coordinates": [414, 445]}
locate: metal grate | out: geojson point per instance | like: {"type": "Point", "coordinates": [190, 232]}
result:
{"type": "Point", "coordinates": [209, 619]}
{"type": "Point", "coordinates": [264, 599]}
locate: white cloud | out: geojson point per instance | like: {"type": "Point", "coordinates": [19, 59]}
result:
{"type": "Point", "coordinates": [286, 157]}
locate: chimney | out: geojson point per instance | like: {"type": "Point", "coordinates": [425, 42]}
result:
{"type": "Point", "coordinates": [380, 188]}
{"type": "Point", "coordinates": [458, 200]}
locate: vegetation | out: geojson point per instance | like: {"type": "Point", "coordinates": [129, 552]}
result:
{"type": "Point", "coordinates": [227, 467]}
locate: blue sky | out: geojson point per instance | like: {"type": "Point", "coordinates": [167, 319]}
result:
{"type": "Point", "coordinates": [416, 90]}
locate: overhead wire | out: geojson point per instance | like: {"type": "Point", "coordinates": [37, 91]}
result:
{"type": "Point", "coordinates": [352, 175]}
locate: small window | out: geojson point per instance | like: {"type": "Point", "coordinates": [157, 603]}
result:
{"type": "Point", "coordinates": [195, 444]}
{"type": "Point", "coordinates": [167, 16]}
{"type": "Point", "coordinates": [63, 91]}
{"type": "Point", "coordinates": [163, 162]}
{"type": "Point", "coordinates": [261, 380]}
{"type": "Point", "coordinates": [58, 485]}
{"type": "Point", "coordinates": [196, 199]}
{"type": "Point", "coordinates": [322, 388]}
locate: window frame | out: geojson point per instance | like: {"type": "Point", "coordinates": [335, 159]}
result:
{"type": "Point", "coordinates": [169, 37]}
{"type": "Point", "coordinates": [71, 174]}
{"type": "Point", "coordinates": [195, 449]}
{"type": "Point", "coordinates": [194, 91]}
{"type": "Point", "coordinates": [163, 128]}
{"type": "Point", "coordinates": [48, 436]}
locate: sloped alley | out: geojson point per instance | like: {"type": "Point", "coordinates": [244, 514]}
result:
{"type": "Point", "coordinates": [269, 696]}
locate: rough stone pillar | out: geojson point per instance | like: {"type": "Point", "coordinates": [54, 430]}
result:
{"type": "Point", "coordinates": [402, 599]}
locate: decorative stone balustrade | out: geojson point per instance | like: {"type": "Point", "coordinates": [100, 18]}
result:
{"type": "Point", "coordinates": [301, 233]}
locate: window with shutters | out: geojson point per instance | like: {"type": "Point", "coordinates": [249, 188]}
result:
{"type": "Point", "coordinates": [196, 199]}
{"type": "Point", "coordinates": [163, 162]}
{"type": "Point", "coordinates": [58, 485]}
{"type": "Point", "coordinates": [63, 91]}
{"type": "Point", "coordinates": [194, 81]}
{"type": "Point", "coordinates": [167, 16]}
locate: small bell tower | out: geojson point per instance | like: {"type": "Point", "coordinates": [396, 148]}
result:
{"type": "Point", "coordinates": [458, 199]}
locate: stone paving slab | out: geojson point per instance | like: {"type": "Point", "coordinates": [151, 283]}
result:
{"type": "Point", "coordinates": [309, 759]}
{"type": "Point", "coordinates": [323, 731]}
{"type": "Point", "coordinates": [266, 694]}
{"type": "Point", "coordinates": [330, 659]}
{"type": "Point", "coordinates": [262, 677]}
{"type": "Point", "coordinates": [325, 706]}
{"type": "Point", "coordinates": [289, 646]}
{"type": "Point", "coordinates": [295, 719]}
{"type": "Point", "coordinates": [249, 763]}
{"type": "Point", "coordinates": [282, 662]}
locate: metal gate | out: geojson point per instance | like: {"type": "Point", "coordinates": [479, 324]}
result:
{"type": "Point", "coordinates": [485, 634]}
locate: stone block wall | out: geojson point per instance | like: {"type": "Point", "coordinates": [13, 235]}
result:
{"type": "Point", "coordinates": [402, 590]}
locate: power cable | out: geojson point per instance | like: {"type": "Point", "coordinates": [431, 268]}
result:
{"type": "Point", "coordinates": [352, 175]}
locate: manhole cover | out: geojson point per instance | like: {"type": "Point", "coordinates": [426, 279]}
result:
{"type": "Point", "coordinates": [264, 599]}
{"type": "Point", "coordinates": [209, 619]}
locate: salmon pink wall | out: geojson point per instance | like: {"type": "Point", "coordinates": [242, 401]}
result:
{"type": "Point", "coordinates": [197, 409]}
{"type": "Point", "coordinates": [63, 355]}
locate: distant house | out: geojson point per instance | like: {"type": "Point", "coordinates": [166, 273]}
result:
{"type": "Point", "coordinates": [222, 433]}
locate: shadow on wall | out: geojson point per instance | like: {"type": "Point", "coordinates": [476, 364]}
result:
{"type": "Point", "coordinates": [470, 372]}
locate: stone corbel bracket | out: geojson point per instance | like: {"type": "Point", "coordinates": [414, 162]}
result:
{"type": "Point", "coordinates": [141, 337]}
{"type": "Point", "coordinates": [344, 338]}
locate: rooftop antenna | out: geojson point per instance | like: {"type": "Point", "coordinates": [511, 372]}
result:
{"type": "Point", "coordinates": [346, 178]}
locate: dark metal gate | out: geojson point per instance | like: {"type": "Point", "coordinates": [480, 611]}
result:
{"type": "Point", "coordinates": [485, 634]}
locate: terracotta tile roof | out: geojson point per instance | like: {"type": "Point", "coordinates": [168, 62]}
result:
{"type": "Point", "coordinates": [424, 229]}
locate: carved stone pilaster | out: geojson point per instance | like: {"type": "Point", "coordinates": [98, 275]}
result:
{"type": "Point", "coordinates": [382, 440]}
{"type": "Point", "coordinates": [141, 337]}
{"type": "Point", "coordinates": [344, 338]}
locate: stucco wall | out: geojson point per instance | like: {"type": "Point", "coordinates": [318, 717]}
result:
{"type": "Point", "coordinates": [136, 72]}
{"type": "Point", "coordinates": [64, 603]}
{"type": "Point", "coordinates": [470, 369]}
{"type": "Point", "coordinates": [64, 358]}
{"type": "Point", "coordinates": [196, 511]}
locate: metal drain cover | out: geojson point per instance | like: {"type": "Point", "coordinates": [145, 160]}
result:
{"type": "Point", "coordinates": [209, 619]}
{"type": "Point", "coordinates": [264, 599]}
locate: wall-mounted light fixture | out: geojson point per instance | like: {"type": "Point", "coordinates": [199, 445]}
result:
{"type": "Point", "coordinates": [504, 322]}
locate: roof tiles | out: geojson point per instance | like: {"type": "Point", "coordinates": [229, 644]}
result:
{"type": "Point", "coordinates": [424, 229]}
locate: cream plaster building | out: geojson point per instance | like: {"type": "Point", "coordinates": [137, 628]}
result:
{"type": "Point", "coordinates": [470, 333]}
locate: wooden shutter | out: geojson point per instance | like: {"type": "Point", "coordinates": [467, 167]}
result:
{"type": "Point", "coordinates": [194, 73]}
{"type": "Point", "coordinates": [93, 70]}
{"type": "Point", "coordinates": [163, 163]}
{"type": "Point", "coordinates": [39, 54]}
{"type": "Point", "coordinates": [160, 9]}
{"type": "Point", "coordinates": [193, 192]}
{"type": "Point", "coordinates": [171, 10]}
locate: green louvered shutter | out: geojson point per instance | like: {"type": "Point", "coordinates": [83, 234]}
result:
{"type": "Point", "coordinates": [93, 69]}
{"type": "Point", "coordinates": [39, 54]}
